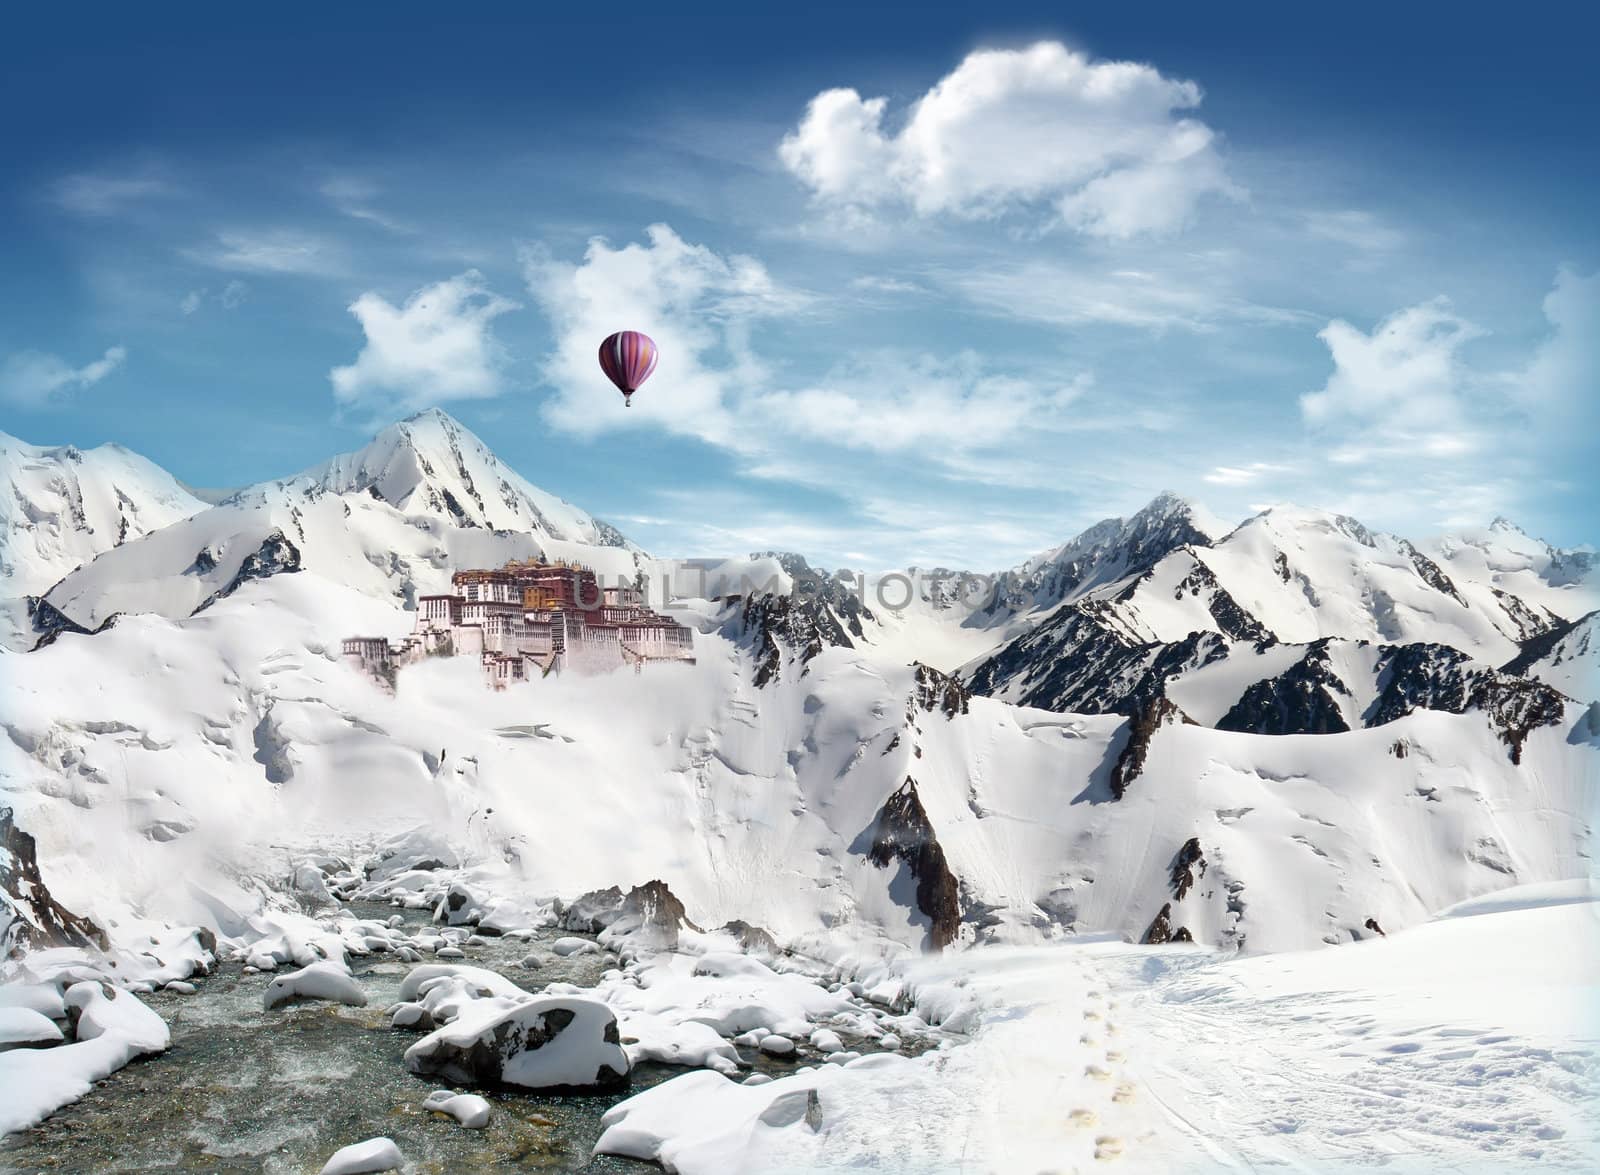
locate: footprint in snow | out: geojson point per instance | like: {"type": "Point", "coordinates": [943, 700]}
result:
{"type": "Point", "coordinates": [1083, 1118]}
{"type": "Point", "coordinates": [1097, 1072]}
{"type": "Point", "coordinates": [1114, 1055]}
{"type": "Point", "coordinates": [1107, 1147]}
{"type": "Point", "coordinates": [1124, 1094]}
{"type": "Point", "coordinates": [1090, 1014]}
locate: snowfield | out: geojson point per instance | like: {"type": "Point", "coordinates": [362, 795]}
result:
{"type": "Point", "coordinates": [1465, 1044]}
{"type": "Point", "coordinates": [1249, 846]}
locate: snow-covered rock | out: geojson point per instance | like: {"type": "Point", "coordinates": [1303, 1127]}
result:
{"type": "Point", "coordinates": [544, 1043]}
{"type": "Point", "coordinates": [111, 1028]}
{"type": "Point", "coordinates": [24, 1026]}
{"type": "Point", "coordinates": [361, 1158]}
{"type": "Point", "coordinates": [320, 981]}
{"type": "Point", "coordinates": [468, 1109]}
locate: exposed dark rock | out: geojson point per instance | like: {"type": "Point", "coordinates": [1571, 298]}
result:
{"type": "Point", "coordinates": [30, 918]}
{"type": "Point", "coordinates": [904, 833]}
{"type": "Point", "coordinates": [1301, 700]}
{"type": "Point", "coordinates": [204, 563]}
{"type": "Point", "coordinates": [821, 611]}
{"type": "Point", "coordinates": [650, 917]}
{"type": "Point", "coordinates": [1563, 641]}
{"type": "Point", "coordinates": [1372, 924]}
{"type": "Point", "coordinates": [50, 622]}
{"type": "Point", "coordinates": [1085, 660]}
{"type": "Point", "coordinates": [752, 938]}
{"type": "Point", "coordinates": [1436, 677]}
{"type": "Point", "coordinates": [276, 555]}
{"type": "Point", "coordinates": [495, 1056]}
{"type": "Point", "coordinates": [1531, 624]}
{"type": "Point", "coordinates": [593, 912]}
{"type": "Point", "coordinates": [1105, 553]}
{"type": "Point", "coordinates": [1142, 729]}
{"type": "Point", "coordinates": [607, 535]}
{"type": "Point", "coordinates": [1161, 930]}
{"type": "Point", "coordinates": [1230, 618]}
{"type": "Point", "coordinates": [1431, 573]}
{"type": "Point", "coordinates": [935, 690]}
{"type": "Point", "coordinates": [1184, 865]}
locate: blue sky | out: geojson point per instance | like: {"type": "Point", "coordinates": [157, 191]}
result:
{"type": "Point", "coordinates": [940, 289]}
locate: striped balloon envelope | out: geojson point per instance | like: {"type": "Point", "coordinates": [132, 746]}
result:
{"type": "Point", "coordinates": [628, 358]}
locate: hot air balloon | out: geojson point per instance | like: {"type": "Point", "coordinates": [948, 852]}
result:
{"type": "Point", "coordinates": [628, 358]}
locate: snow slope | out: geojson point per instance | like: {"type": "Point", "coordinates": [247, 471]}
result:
{"type": "Point", "coordinates": [62, 506]}
{"type": "Point", "coordinates": [1465, 1045]}
{"type": "Point", "coordinates": [163, 752]}
{"type": "Point", "coordinates": [1567, 657]}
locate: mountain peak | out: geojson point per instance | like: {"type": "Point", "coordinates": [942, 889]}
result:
{"type": "Point", "coordinates": [432, 463]}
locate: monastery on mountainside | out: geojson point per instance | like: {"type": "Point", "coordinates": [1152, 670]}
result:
{"type": "Point", "coordinates": [530, 617]}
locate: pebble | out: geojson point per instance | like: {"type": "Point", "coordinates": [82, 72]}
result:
{"type": "Point", "coordinates": [777, 1046]}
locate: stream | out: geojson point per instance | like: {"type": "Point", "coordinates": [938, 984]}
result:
{"type": "Point", "coordinates": [242, 1089]}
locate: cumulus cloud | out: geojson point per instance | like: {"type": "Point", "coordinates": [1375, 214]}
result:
{"type": "Point", "coordinates": [1561, 379]}
{"type": "Point", "coordinates": [1103, 144]}
{"type": "Point", "coordinates": [436, 347]}
{"type": "Point", "coordinates": [1404, 381]}
{"type": "Point", "coordinates": [37, 379]}
{"type": "Point", "coordinates": [1410, 414]}
{"type": "Point", "coordinates": [698, 306]}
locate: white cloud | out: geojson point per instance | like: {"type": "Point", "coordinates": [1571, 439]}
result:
{"type": "Point", "coordinates": [37, 379]}
{"type": "Point", "coordinates": [1077, 294]}
{"type": "Point", "coordinates": [438, 346]}
{"type": "Point", "coordinates": [354, 197]}
{"type": "Point", "coordinates": [272, 251]}
{"type": "Point", "coordinates": [889, 402]}
{"type": "Point", "coordinates": [230, 297]}
{"type": "Point", "coordinates": [1403, 382]}
{"type": "Point", "coordinates": [1240, 475]}
{"type": "Point", "coordinates": [1356, 228]}
{"type": "Point", "coordinates": [1562, 377]}
{"type": "Point", "coordinates": [878, 284]}
{"type": "Point", "coordinates": [107, 195]}
{"type": "Point", "coordinates": [1102, 143]}
{"type": "Point", "coordinates": [697, 305]}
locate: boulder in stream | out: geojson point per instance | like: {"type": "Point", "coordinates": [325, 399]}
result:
{"type": "Point", "coordinates": [558, 1042]}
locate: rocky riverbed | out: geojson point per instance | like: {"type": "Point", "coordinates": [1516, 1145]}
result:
{"type": "Point", "coordinates": [244, 1087]}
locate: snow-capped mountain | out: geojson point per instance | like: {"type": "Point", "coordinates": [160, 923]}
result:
{"type": "Point", "coordinates": [391, 519]}
{"type": "Point", "coordinates": [430, 464]}
{"type": "Point", "coordinates": [62, 506]}
{"type": "Point", "coordinates": [1109, 551]}
{"type": "Point", "coordinates": [1287, 624]}
{"type": "Point", "coordinates": [1263, 736]}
